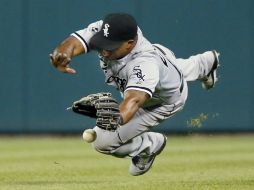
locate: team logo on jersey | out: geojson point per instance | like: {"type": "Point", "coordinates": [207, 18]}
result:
{"type": "Point", "coordinates": [105, 30]}
{"type": "Point", "coordinates": [121, 83]}
{"type": "Point", "coordinates": [138, 72]}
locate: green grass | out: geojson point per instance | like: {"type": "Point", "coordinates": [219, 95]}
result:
{"type": "Point", "coordinates": [191, 162]}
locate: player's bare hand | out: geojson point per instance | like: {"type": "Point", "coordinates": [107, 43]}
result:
{"type": "Point", "coordinates": [61, 61]}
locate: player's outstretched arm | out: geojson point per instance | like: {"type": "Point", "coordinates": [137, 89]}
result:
{"type": "Point", "coordinates": [62, 55]}
{"type": "Point", "coordinates": [133, 100]}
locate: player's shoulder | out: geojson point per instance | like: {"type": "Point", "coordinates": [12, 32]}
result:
{"type": "Point", "coordinates": [146, 57]}
{"type": "Point", "coordinates": [143, 60]}
{"type": "Point", "coordinates": [142, 64]}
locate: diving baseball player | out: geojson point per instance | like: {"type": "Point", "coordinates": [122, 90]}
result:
{"type": "Point", "coordinates": [151, 80]}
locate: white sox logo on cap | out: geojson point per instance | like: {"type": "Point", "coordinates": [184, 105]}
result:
{"type": "Point", "coordinates": [116, 28]}
{"type": "Point", "coordinates": [105, 30]}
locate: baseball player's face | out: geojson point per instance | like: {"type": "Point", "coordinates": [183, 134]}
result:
{"type": "Point", "coordinates": [120, 52]}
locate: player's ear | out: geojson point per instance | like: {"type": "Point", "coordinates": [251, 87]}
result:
{"type": "Point", "coordinates": [130, 42]}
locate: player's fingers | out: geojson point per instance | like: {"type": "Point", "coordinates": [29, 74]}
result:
{"type": "Point", "coordinates": [61, 61]}
{"type": "Point", "coordinates": [58, 58]}
{"type": "Point", "coordinates": [51, 58]}
{"type": "Point", "coordinates": [65, 60]}
{"type": "Point", "coordinates": [66, 69]}
{"type": "Point", "coordinates": [61, 58]}
{"type": "Point", "coordinates": [70, 70]}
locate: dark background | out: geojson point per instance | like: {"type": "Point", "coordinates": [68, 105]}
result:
{"type": "Point", "coordinates": [34, 95]}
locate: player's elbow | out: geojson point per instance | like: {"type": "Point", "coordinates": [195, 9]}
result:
{"type": "Point", "coordinates": [136, 98]}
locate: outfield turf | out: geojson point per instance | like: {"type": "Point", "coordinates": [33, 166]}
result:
{"type": "Point", "coordinates": [68, 163]}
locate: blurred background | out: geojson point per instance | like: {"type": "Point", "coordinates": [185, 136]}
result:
{"type": "Point", "coordinates": [34, 96]}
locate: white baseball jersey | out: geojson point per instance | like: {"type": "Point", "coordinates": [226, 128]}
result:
{"type": "Point", "coordinates": [146, 68]}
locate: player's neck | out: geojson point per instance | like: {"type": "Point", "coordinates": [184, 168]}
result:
{"type": "Point", "coordinates": [132, 46]}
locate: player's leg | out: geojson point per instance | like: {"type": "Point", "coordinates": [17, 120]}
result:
{"type": "Point", "coordinates": [133, 139]}
{"type": "Point", "coordinates": [198, 67]}
{"type": "Point", "coordinates": [142, 149]}
{"type": "Point", "coordinates": [201, 67]}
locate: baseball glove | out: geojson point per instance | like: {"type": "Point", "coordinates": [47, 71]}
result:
{"type": "Point", "coordinates": [101, 106]}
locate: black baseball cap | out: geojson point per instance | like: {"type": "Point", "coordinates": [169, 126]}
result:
{"type": "Point", "coordinates": [116, 29]}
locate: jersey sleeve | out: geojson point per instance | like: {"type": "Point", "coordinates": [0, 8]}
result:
{"type": "Point", "coordinates": [143, 76]}
{"type": "Point", "coordinates": [86, 34]}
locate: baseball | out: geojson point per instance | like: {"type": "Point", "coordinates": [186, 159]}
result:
{"type": "Point", "coordinates": [89, 135]}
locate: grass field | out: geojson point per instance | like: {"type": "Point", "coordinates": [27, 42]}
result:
{"type": "Point", "coordinates": [67, 163]}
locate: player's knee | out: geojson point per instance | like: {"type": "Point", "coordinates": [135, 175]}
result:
{"type": "Point", "coordinates": [99, 146]}
{"type": "Point", "coordinates": [116, 150]}
{"type": "Point", "coordinates": [106, 141]}
{"type": "Point", "coordinates": [105, 146]}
